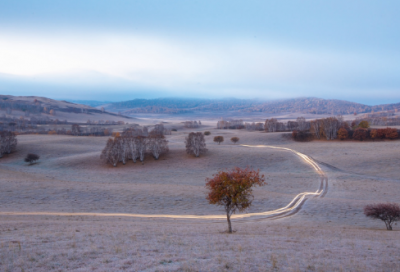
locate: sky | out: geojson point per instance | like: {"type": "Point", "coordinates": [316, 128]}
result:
{"type": "Point", "coordinates": [120, 50]}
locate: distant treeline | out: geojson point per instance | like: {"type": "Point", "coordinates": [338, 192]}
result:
{"type": "Point", "coordinates": [304, 105]}
{"type": "Point", "coordinates": [327, 128]}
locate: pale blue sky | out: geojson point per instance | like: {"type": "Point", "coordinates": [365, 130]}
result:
{"type": "Point", "coordinates": [119, 50]}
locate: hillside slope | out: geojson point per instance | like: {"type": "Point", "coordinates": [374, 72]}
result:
{"type": "Point", "coordinates": [42, 107]}
{"type": "Point", "coordinates": [304, 105]}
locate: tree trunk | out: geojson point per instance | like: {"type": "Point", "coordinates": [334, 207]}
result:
{"type": "Point", "coordinates": [228, 218]}
{"type": "Point", "coordinates": [388, 226]}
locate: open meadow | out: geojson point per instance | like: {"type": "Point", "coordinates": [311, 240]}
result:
{"type": "Point", "coordinates": [328, 233]}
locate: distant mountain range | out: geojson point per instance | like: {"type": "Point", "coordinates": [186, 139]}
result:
{"type": "Point", "coordinates": [304, 105]}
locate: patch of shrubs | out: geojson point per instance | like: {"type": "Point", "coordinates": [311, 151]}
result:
{"type": "Point", "coordinates": [302, 136]}
{"type": "Point", "coordinates": [207, 133]}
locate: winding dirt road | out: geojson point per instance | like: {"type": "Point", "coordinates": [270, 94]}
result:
{"type": "Point", "coordinates": [289, 209]}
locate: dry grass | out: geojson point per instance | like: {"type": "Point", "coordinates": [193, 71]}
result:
{"type": "Point", "coordinates": [328, 234]}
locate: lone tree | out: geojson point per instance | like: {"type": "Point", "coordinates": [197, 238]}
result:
{"type": "Point", "coordinates": [235, 140]}
{"type": "Point", "coordinates": [233, 190]}
{"type": "Point", "coordinates": [218, 139]}
{"type": "Point", "coordinates": [387, 212]}
{"type": "Point", "coordinates": [32, 158]}
{"type": "Point", "coordinates": [195, 144]}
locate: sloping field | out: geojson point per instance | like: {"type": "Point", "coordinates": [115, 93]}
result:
{"type": "Point", "coordinates": [327, 234]}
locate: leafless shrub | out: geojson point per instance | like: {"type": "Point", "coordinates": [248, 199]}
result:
{"type": "Point", "coordinates": [302, 136]}
{"type": "Point", "coordinates": [387, 212]}
{"type": "Point", "coordinates": [195, 144]}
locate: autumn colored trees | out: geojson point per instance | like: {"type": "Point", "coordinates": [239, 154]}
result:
{"type": "Point", "coordinates": [195, 144]}
{"type": "Point", "coordinates": [233, 190]}
{"type": "Point", "coordinates": [343, 134]}
{"type": "Point", "coordinates": [235, 140]}
{"type": "Point", "coordinates": [387, 212]}
{"type": "Point", "coordinates": [218, 139]}
{"type": "Point", "coordinates": [360, 134]}
{"type": "Point", "coordinates": [8, 142]}
{"type": "Point", "coordinates": [133, 144]}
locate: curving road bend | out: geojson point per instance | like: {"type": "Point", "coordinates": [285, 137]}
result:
{"type": "Point", "coordinates": [289, 209]}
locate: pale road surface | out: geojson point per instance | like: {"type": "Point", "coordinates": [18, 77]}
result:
{"type": "Point", "coordinates": [290, 208]}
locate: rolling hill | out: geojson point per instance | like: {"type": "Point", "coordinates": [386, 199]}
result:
{"type": "Point", "coordinates": [303, 105]}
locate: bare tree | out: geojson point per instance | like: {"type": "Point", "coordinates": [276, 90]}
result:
{"type": "Point", "coordinates": [141, 146]}
{"type": "Point", "coordinates": [316, 128]}
{"type": "Point", "coordinates": [110, 153]}
{"type": "Point", "coordinates": [158, 130]}
{"type": "Point", "coordinates": [271, 125]}
{"type": "Point", "coordinates": [123, 148]}
{"type": "Point", "coordinates": [157, 145]}
{"type": "Point", "coordinates": [76, 129]}
{"type": "Point", "coordinates": [132, 148]}
{"type": "Point", "coordinates": [195, 144]}
{"type": "Point", "coordinates": [331, 127]}
{"type": "Point", "coordinates": [387, 212]}
{"type": "Point", "coordinates": [303, 125]}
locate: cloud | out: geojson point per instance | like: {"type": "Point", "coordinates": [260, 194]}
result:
{"type": "Point", "coordinates": [204, 65]}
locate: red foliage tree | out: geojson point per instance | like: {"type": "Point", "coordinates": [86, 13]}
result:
{"type": "Point", "coordinates": [373, 134]}
{"type": "Point", "coordinates": [343, 134]}
{"type": "Point", "coordinates": [360, 134]}
{"type": "Point", "coordinates": [387, 212]}
{"type": "Point", "coordinates": [381, 133]}
{"type": "Point", "coordinates": [391, 133]}
{"type": "Point", "coordinates": [233, 190]}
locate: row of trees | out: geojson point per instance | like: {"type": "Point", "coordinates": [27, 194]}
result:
{"type": "Point", "coordinates": [134, 144]}
{"type": "Point", "coordinates": [362, 134]}
{"type": "Point", "coordinates": [8, 142]}
{"type": "Point", "coordinates": [273, 125]}
{"type": "Point", "coordinates": [191, 124]}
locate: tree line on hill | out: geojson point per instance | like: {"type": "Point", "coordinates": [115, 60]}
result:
{"type": "Point", "coordinates": [37, 106]}
{"type": "Point", "coordinates": [310, 105]}
{"type": "Point", "coordinates": [8, 142]}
